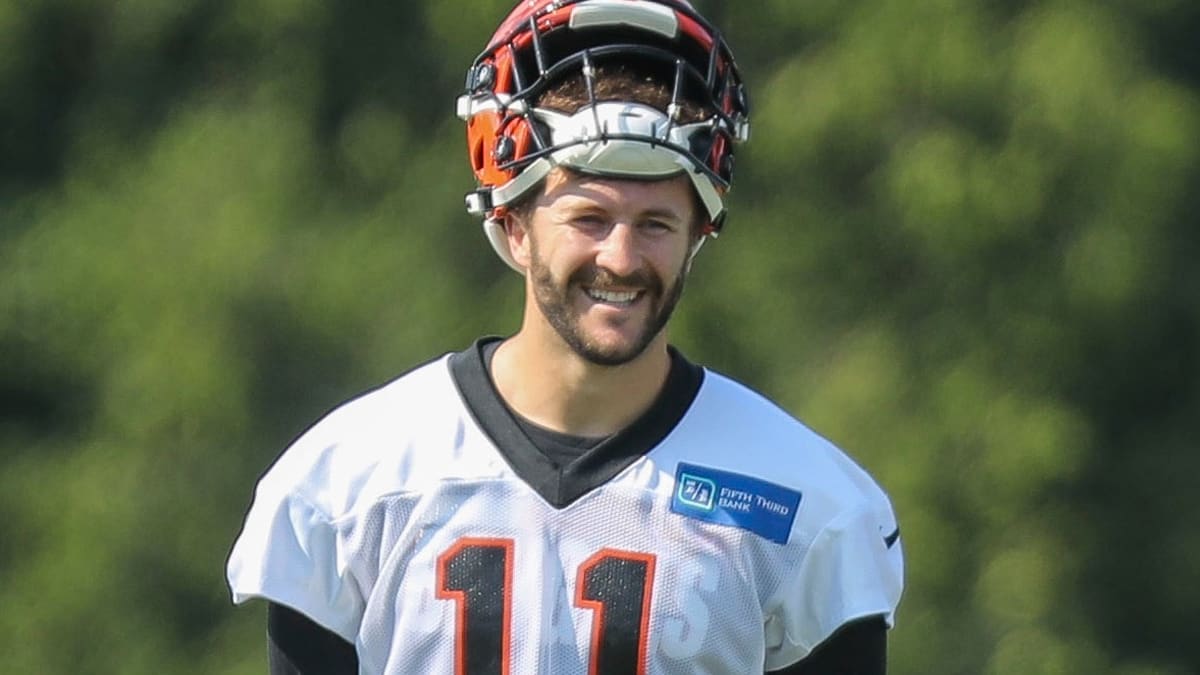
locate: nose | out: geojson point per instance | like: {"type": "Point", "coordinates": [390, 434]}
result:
{"type": "Point", "coordinates": [618, 251]}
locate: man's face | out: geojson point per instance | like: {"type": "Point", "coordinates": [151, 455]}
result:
{"type": "Point", "coordinates": [607, 260]}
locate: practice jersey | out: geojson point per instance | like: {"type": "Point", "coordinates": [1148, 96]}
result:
{"type": "Point", "coordinates": [715, 535]}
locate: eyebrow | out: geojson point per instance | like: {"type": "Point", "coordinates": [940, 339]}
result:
{"type": "Point", "coordinates": [666, 214]}
{"type": "Point", "coordinates": [653, 212]}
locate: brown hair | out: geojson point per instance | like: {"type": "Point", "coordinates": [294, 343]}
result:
{"type": "Point", "coordinates": [617, 82]}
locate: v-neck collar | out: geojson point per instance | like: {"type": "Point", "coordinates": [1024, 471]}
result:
{"type": "Point", "coordinates": [561, 486]}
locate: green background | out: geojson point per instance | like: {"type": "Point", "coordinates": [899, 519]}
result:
{"type": "Point", "coordinates": [962, 245]}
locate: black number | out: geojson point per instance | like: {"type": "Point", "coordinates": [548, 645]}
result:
{"type": "Point", "coordinates": [477, 575]}
{"type": "Point", "coordinates": [616, 585]}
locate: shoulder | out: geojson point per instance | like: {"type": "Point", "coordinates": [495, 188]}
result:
{"type": "Point", "coordinates": [842, 551]}
{"type": "Point", "coordinates": [306, 539]}
{"type": "Point", "coordinates": [333, 465]}
{"type": "Point", "coordinates": [741, 430]}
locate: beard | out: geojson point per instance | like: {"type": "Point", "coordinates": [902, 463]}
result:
{"type": "Point", "coordinates": [554, 299]}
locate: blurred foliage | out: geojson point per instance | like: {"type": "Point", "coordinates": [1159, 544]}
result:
{"type": "Point", "coordinates": [963, 245]}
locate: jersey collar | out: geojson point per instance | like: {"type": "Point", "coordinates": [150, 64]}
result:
{"type": "Point", "coordinates": [561, 486]}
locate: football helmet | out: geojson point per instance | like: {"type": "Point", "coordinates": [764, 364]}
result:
{"type": "Point", "coordinates": [513, 145]}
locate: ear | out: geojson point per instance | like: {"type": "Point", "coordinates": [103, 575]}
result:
{"type": "Point", "coordinates": [516, 231]}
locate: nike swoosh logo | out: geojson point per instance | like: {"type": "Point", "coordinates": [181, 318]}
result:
{"type": "Point", "coordinates": [892, 538]}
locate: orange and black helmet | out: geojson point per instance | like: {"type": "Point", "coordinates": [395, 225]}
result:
{"type": "Point", "coordinates": [512, 144]}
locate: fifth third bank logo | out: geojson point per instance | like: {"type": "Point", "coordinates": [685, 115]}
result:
{"type": "Point", "coordinates": [696, 491]}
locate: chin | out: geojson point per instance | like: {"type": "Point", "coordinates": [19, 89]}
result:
{"type": "Point", "coordinates": [611, 352]}
{"type": "Point", "coordinates": [608, 357]}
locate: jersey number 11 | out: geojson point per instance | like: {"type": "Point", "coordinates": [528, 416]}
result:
{"type": "Point", "coordinates": [477, 575]}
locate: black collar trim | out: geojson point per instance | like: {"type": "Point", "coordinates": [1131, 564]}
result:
{"type": "Point", "coordinates": [562, 486]}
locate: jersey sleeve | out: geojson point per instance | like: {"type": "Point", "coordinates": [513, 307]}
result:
{"type": "Point", "coordinates": [291, 553]}
{"type": "Point", "coordinates": [294, 549]}
{"type": "Point", "coordinates": [852, 569]}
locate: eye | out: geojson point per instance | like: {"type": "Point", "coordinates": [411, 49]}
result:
{"type": "Point", "coordinates": [658, 226]}
{"type": "Point", "coordinates": [589, 220]}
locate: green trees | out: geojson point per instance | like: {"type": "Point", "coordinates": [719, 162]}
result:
{"type": "Point", "coordinates": [961, 246]}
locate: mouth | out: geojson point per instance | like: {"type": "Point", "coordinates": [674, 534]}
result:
{"type": "Point", "coordinates": [614, 298]}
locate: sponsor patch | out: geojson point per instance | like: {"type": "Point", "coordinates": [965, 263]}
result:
{"type": "Point", "coordinates": [763, 508]}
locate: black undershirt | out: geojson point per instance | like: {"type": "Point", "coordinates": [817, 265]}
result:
{"type": "Point", "coordinates": [298, 646]}
{"type": "Point", "coordinates": [559, 448]}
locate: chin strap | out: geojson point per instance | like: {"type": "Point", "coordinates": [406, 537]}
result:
{"type": "Point", "coordinates": [498, 238]}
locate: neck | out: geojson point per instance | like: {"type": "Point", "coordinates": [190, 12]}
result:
{"type": "Point", "coordinates": [552, 386]}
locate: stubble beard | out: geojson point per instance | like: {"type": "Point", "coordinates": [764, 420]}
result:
{"type": "Point", "coordinates": [554, 301]}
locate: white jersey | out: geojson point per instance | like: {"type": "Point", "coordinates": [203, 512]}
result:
{"type": "Point", "coordinates": [718, 535]}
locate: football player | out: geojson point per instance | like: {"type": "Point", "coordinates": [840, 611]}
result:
{"type": "Point", "coordinates": [578, 498]}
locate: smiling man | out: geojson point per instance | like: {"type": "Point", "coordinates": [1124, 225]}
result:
{"type": "Point", "coordinates": [579, 498]}
{"type": "Point", "coordinates": [620, 248]}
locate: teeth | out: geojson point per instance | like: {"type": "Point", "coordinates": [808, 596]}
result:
{"type": "Point", "coordinates": [612, 296]}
